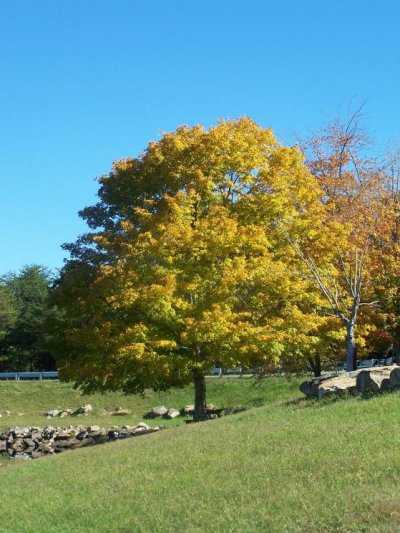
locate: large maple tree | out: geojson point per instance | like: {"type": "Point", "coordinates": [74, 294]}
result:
{"type": "Point", "coordinates": [187, 266]}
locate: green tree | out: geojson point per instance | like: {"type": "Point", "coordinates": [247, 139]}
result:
{"type": "Point", "coordinates": [8, 310]}
{"type": "Point", "coordinates": [22, 342]}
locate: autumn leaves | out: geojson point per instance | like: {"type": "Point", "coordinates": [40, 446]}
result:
{"type": "Point", "coordinates": [213, 246]}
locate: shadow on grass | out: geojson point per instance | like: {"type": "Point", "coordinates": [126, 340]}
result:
{"type": "Point", "coordinates": [306, 403]}
{"type": "Point", "coordinates": [371, 395]}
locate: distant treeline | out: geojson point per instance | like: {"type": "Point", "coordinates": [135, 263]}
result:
{"type": "Point", "coordinates": [23, 311]}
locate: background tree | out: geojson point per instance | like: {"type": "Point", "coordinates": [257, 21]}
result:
{"type": "Point", "coordinates": [355, 194]}
{"type": "Point", "coordinates": [185, 265]}
{"type": "Point", "coordinates": [24, 302]}
{"type": "Point", "coordinates": [8, 316]}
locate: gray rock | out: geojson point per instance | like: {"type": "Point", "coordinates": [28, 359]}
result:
{"type": "Point", "coordinates": [361, 381]}
{"type": "Point", "coordinates": [395, 377]}
{"type": "Point", "coordinates": [159, 411]}
{"type": "Point", "coordinates": [310, 388]}
{"type": "Point", "coordinates": [172, 413]}
{"type": "Point", "coordinates": [343, 384]}
{"type": "Point", "coordinates": [374, 380]}
{"type": "Point", "coordinates": [188, 410]}
{"type": "Point", "coordinates": [33, 442]}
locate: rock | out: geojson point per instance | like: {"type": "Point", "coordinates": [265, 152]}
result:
{"type": "Point", "coordinates": [343, 384]}
{"type": "Point", "coordinates": [83, 410]}
{"type": "Point", "coordinates": [325, 386]}
{"type": "Point", "coordinates": [65, 433]}
{"type": "Point", "coordinates": [310, 388]}
{"type": "Point", "coordinates": [172, 413]}
{"type": "Point", "coordinates": [18, 445]}
{"type": "Point", "coordinates": [364, 380]}
{"type": "Point", "coordinates": [34, 442]}
{"type": "Point", "coordinates": [52, 413]}
{"type": "Point", "coordinates": [143, 425]}
{"type": "Point", "coordinates": [68, 443]}
{"type": "Point", "coordinates": [395, 377]}
{"type": "Point", "coordinates": [159, 411]}
{"type": "Point", "coordinates": [45, 448]}
{"type": "Point", "coordinates": [188, 410]}
{"type": "Point", "coordinates": [373, 380]}
{"type": "Point", "coordinates": [138, 430]}
{"type": "Point", "coordinates": [128, 428]}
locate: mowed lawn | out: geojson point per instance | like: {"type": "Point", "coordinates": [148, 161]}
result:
{"type": "Point", "coordinates": [285, 464]}
{"type": "Point", "coordinates": [28, 401]}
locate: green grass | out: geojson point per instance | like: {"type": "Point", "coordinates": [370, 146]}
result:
{"type": "Point", "coordinates": [28, 401]}
{"type": "Point", "coordinates": [289, 465]}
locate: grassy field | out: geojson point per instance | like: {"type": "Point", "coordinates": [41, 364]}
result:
{"type": "Point", "coordinates": [285, 464]}
{"type": "Point", "coordinates": [28, 401]}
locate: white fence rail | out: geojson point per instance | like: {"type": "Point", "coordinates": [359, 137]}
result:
{"type": "Point", "coordinates": [17, 376]}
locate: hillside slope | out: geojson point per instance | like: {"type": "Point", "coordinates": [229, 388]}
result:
{"type": "Point", "coordinates": [286, 466]}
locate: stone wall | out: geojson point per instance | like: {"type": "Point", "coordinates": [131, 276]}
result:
{"type": "Point", "coordinates": [34, 442]}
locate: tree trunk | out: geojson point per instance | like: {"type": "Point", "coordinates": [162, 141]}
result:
{"type": "Point", "coordinates": [200, 408]}
{"type": "Point", "coordinates": [315, 363]}
{"type": "Point", "coordinates": [351, 348]}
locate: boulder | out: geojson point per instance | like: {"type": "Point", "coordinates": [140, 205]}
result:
{"type": "Point", "coordinates": [395, 377]}
{"type": "Point", "coordinates": [374, 380]}
{"type": "Point", "coordinates": [172, 413]}
{"type": "Point", "coordinates": [157, 411]}
{"type": "Point", "coordinates": [343, 384]}
{"type": "Point", "coordinates": [310, 388]}
{"type": "Point", "coordinates": [325, 386]}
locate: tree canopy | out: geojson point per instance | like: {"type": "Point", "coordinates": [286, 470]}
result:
{"type": "Point", "coordinates": [189, 263]}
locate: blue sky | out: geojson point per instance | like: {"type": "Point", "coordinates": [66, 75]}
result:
{"type": "Point", "coordinates": [86, 82]}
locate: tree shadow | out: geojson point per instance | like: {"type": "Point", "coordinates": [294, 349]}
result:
{"type": "Point", "coordinates": [307, 403]}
